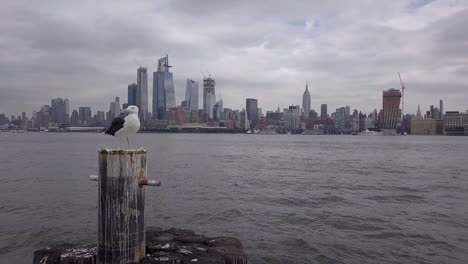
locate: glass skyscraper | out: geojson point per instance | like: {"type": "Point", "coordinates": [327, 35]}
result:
{"type": "Point", "coordinates": [191, 95]}
{"type": "Point", "coordinates": [142, 93]}
{"type": "Point", "coordinates": [163, 89]}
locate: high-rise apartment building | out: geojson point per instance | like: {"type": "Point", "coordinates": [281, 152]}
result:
{"type": "Point", "coordinates": [323, 111]}
{"type": "Point", "coordinates": [191, 95]}
{"type": "Point", "coordinates": [142, 93]}
{"type": "Point", "coordinates": [341, 118]}
{"type": "Point", "coordinates": [163, 89]}
{"type": "Point", "coordinates": [251, 106]}
{"type": "Point", "coordinates": [391, 108]}
{"type": "Point", "coordinates": [132, 94]}
{"type": "Point", "coordinates": [292, 117]}
{"type": "Point", "coordinates": [209, 96]}
{"type": "Point", "coordinates": [306, 101]}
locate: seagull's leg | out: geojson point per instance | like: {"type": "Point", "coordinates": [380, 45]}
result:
{"type": "Point", "coordinates": [128, 142]}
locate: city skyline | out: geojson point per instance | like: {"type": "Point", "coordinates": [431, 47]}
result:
{"type": "Point", "coordinates": [347, 56]}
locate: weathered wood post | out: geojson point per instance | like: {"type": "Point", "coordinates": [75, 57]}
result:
{"type": "Point", "coordinates": [121, 209]}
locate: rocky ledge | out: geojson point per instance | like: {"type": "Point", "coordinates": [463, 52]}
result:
{"type": "Point", "coordinates": [174, 245]}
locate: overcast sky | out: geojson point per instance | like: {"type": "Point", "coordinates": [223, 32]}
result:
{"type": "Point", "coordinates": [348, 51]}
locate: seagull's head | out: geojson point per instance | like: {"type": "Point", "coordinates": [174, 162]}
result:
{"type": "Point", "coordinates": [132, 109]}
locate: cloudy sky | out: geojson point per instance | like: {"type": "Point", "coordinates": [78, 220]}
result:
{"type": "Point", "coordinates": [348, 51]}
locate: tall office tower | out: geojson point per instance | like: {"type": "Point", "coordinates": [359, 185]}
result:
{"type": "Point", "coordinates": [84, 113]}
{"type": "Point", "coordinates": [163, 89]}
{"type": "Point", "coordinates": [323, 111]}
{"type": "Point", "coordinates": [306, 101]}
{"type": "Point", "coordinates": [209, 96]}
{"type": "Point", "coordinates": [418, 113]}
{"type": "Point", "coordinates": [58, 111]}
{"type": "Point", "coordinates": [114, 108]}
{"type": "Point", "coordinates": [391, 108]}
{"type": "Point", "coordinates": [67, 110]}
{"type": "Point", "coordinates": [142, 93]}
{"type": "Point", "coordinates": [218, 110]}
{"type": "Point", "coordinates": [251, 105]}
{"type": "Point", "coordinates": [441, 109]}
{"type": "Point", "coordinates": [132, 94]}
{"type": "Point", "coordinates": [191, 95]}
{"type": "Point", "coordinates": [75, 118]}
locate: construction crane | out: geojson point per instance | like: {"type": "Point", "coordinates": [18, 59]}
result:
{"type": "Point", "coordinates": [402, 96]}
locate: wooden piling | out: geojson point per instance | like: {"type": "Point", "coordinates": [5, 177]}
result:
{"type": "Point", "coordinates": [121, 212]}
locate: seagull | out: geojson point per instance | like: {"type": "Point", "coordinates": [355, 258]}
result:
{"type": "Point", "coordinates": [124, 127]}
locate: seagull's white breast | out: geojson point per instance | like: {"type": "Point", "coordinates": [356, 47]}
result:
{"type": "Point", "coordinates": [131, 126]}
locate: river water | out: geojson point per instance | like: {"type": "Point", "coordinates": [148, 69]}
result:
{"type": "Point", "coordinates": [288, 198]}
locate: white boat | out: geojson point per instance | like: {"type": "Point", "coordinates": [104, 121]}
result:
{"type": "Point", "coordinates": [367, 132]}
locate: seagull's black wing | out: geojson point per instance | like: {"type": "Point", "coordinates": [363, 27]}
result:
{"type": "Point", "coordinates": [117, 124]}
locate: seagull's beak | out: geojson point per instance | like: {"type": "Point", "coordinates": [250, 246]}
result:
{"type": "Point", "coordinates": [126, 110]}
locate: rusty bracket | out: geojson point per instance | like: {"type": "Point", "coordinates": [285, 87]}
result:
{"type": "Point", "coordinates": [140, 182]}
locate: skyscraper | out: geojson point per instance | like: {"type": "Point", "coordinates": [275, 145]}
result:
{"type": "Point", "coordinates": [163, 89]}
{"type": "Point", "coordinates": [441, 108]}
{"type": "Point", "coordinates": [58, 111]}
{"type": "Point", "coordinates": [391, 108]}
{"type": "Point", "coordinates": [341, 118]}
{"type": "Point", "coordinates": [191, 95]}
{"type": "Point", "coordinates": [132, 94]}
{"type": "Point", "coordinates": [84, 113]}
{"type": "Point", "coordinates": [418, 113]}
{"type": "Point", "coordinates": [209, 96]}
{"type": "Point", "coordinates": [218, 110]}
{"type": "Point", "coordinates": [292, 116]}
{"type": "Point", "coordinates": [323, 111]}
{"type": "Point", "coordinates": [306, 101]}
{"type": "Point", "coordinates": [114, 107]}
{"type": "Point", "coordinates": [142, 93]}
{"type": "Point", "coordinates": [251, 105]}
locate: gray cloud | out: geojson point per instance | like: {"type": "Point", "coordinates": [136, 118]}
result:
{"type": "Point", "coordinates": [349, 52]}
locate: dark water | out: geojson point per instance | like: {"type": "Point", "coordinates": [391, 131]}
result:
{"type": "Point", "coordinates": [290, 199]}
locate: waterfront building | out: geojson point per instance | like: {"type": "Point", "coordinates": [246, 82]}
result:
{"type": "Point", "coordinates": [323, 111]}
{"type": "Point", "coordinates": [341, 117]}
{"type": "Point", "coordinates": [306, 101]}
{"type": "Point", "coordinates": [244, 120]}
{"type": "Point", "coordinates": [142, 93]}
{"type": "Point", "coordinates": [391, 109]}
{"type": "Point", "coordinates": [218, 111]}
{"type": "Point", "coordinates": [163, 89]}
{"type": "Point", "coordinates": [3, 119]}
{"type": "Point", "coordinates": [423, 126]}
{"type": "Point", "coordinates": [191, 95]}
{"type": "Point", "coordinates": [58, 111]}
{"type": "Point", "coordinates": [114, 108]}
{"type": "Point", "coordinates": [84, 113]}
{"type": "Point", "coordinates": [75, 118]}
{"type": "Point", "coordinates": [455, 123]}
{"type": "Point", "coordinates": [132, 94]}
{"type": "Point", "coordinates": [209, 96]}
{"type": "Point", "coordinates": [251, 106]}
{"type": "Point", "coordinates": [292, 117]}
{"type": "Point", "coordinates": [441, 109]}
